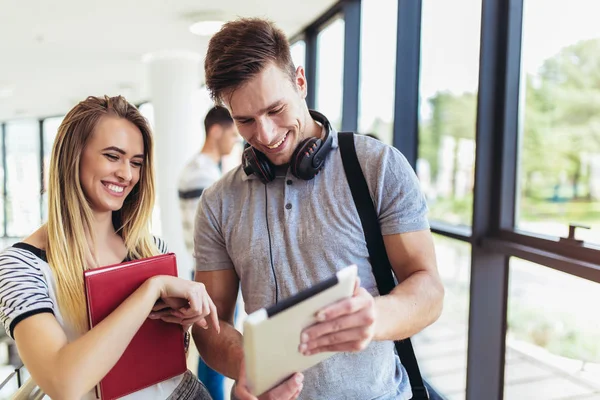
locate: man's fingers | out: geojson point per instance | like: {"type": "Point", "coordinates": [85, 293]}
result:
{"type": "Point", "coordinates": [295, 396]}
{"type": "Point", "coordinates": [346, 306]}
{"type": "Point", "coordinates": [242, 393]}
{"type": "Point", "coordinates": [362, 319]}
{"type": "Point", "coordinates": [355, 339]}
{"type": "Point", "coordinates": [159, 305]}
{"type": "Point", "coordinates": [287, 390]}
{"type": "Point", "coordinates": [240, 389]}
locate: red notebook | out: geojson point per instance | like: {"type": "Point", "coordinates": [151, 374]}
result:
{"type": "Point", "coordinates": [156, 352]}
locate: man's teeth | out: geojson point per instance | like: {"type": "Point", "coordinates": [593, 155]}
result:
{"type": "Point", "coordinates": [278, 143]}
{"type": "Point", "coordinates": [115, 188]}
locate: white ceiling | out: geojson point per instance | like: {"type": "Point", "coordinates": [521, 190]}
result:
{"type": "Point", "coordinates": [55, 53]}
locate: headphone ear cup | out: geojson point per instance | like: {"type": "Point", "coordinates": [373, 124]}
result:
{"type": "Point", "coordinates": [255, 162]}
{"type": "Point", "coordinates": [301, 163]}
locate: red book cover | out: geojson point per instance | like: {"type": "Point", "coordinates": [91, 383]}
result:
{"type": "Point", "coordinates": [156, 352]}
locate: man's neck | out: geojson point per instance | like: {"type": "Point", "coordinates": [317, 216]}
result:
{"type": "Point", "coordinates": [313, 129]}
{"type": "Point", "coordinates": [211, 152]}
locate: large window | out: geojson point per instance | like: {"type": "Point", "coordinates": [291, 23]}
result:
{"type": "Point", "coordinates": [377, 68]}
{"type": "Point", "coordinates": [559, 168]}
{"type": "Point", "coordinates": [441, 349]}
{"type": "Point", "coordinates": [298, 50]}
{"type": "Point", "coordinates": [448, 105]}
{"type": "Point", "coordinates": [50, 127]}
{"type": "Point", "coordinates": [552, 346]}
{"type": "Point", "coordinates": [330, 71]}
{"type": "Point", "coordinates": [23, 174]}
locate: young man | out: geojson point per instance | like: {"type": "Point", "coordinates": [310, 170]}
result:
{"type": "Point", "coordinates": [283, 236]}
{"type": "Point", "coordinates": [199, 173]}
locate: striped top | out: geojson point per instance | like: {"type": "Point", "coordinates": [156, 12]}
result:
{"type": "Point", "coordinates": [28, 287]}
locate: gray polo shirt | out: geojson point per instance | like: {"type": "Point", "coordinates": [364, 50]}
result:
{"type": "Point", "coordinates": [315, 230]}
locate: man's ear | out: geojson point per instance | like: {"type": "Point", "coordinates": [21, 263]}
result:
{"type": "Point", "coordinates": [300, 80]}
{"type": "Point", "coordinates": [216, 132]}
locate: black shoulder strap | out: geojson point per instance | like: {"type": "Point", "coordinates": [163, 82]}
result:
{"type": "Point", "coordinates": [382, 269]}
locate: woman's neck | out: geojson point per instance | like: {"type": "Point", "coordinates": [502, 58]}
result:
{"type": "Point", "coordinates": [109, 246]}
{"type": "Point", "coordinates": [102, 226]}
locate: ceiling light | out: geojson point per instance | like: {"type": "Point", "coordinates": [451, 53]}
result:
{"type": "Point", "coordinates": [206, 28]}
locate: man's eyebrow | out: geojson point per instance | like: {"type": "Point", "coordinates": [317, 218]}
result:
{"type": "Point", "coordinates": [262, 111]}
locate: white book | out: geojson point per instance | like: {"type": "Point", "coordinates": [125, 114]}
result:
{"type": "Point", "coordinates": [272, 335]}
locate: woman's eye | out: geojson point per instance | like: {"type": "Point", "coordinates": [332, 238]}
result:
{"type": "Point", "coordinates": [137, 164]}
{"type": "Point", "coordinates": [111, 157]}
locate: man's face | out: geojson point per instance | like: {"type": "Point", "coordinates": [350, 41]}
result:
{"type": "Point", "coordinates": [270, 112]}
{"type": "Point", "coordinates": [229, 138]}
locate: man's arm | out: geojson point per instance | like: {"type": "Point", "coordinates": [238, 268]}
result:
{"type": "Point", "coordinates": [223, 352]}
{"type": "Point", "coordinates": [415, 303]}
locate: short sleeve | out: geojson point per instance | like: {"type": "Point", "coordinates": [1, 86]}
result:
{"type": "Point", "coordinates": [395, 188]}
{"type": "Point", "coordinates": [161, 245]}
{"type": "Point", "coordinates": [210, 252]}
{"type": "Point", "coordinates": [23, 288]}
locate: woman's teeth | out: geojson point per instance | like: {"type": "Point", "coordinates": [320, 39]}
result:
{"type": "Point", "coordinates": [115, 188]}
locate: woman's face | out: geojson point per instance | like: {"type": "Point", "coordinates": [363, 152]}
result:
{"type": "Point", "coordinates": [111, 163]}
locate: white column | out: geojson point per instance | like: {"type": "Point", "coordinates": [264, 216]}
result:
{"type": "Point", "coordinates": [174, 78]}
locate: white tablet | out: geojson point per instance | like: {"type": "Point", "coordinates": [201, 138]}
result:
{"type": "Point", "coordinates": [272, 335]}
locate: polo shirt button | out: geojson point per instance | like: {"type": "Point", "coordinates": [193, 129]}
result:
{"type": "Point", "coordinates": [288, 206]}
{"type": "Point", "coordinates": [289, 182]}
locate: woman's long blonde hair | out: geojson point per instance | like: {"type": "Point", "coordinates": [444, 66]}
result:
{"type": "Point", "coordinates": [70, 242]}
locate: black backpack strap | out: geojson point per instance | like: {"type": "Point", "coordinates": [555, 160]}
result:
{"type": "Point", "coordinates": [382, 269]}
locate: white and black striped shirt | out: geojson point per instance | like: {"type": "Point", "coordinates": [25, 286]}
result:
{"type": "Point", "coordinates": [28, 287]}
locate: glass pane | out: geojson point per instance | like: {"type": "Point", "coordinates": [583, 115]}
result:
{"type": "Point", "coordinates": [23, 175]}
{"type": "Point", "coordinates": [50, 126]}
{"type": "Point", "coordinates": [298, 50]}
{"type": "Point", "coordinates": [552, 346]}
{"type": "Point", "coordinates": [378, 68]}
{"type": "Point", "coordinates": [1, 189]}
{"type": "Point", "coordinates": [559, 168]}
{"type": "Point", "coordinates": [147, 110]}
{"type": "Point", "coordinates": [448, 104]}
{"type": "Point", "coordinates": [441, 349]}
{"type": "Point", "coordinates": [330, 72]}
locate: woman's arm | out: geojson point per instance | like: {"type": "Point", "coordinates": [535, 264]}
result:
{"type": "Point", "coordinates": [69, 370]}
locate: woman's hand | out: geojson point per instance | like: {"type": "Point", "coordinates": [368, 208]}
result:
{"type": "Point", "coordinates": [184, 302]}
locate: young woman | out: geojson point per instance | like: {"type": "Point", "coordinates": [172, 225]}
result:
{"type": "Point", "coordinates": [100, 199]}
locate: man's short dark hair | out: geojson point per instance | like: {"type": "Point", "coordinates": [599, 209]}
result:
{"type": "Point", "coordinates": [217, 116]}
{"type": "Point", "coordinates": [240, 51]}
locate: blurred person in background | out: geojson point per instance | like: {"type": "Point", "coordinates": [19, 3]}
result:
{"type": "Point", "coordinates": [200, 172]}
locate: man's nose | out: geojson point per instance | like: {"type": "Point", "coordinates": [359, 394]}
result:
{"type": "Point", "coordinates": [265, 130]}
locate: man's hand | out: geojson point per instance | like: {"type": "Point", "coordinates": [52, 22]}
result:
{"type": "Point", "coordinates": [288, 390]}
{"type": "Point", "coordinates": [348, 325]}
